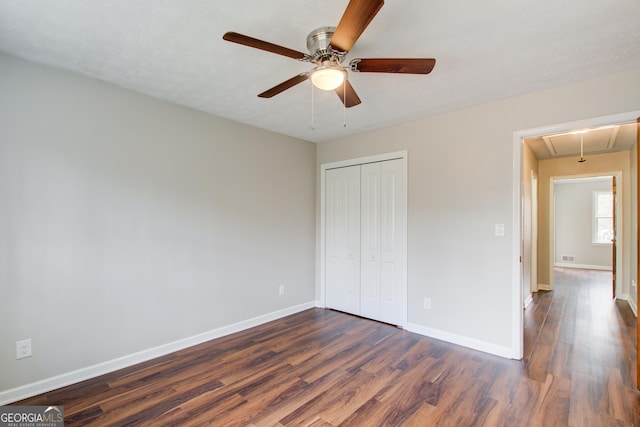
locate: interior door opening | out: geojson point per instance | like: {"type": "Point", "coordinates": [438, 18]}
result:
{"type": "Point", "coordinates": [628, 255]}
{"type": "Point", "coordinates": [582, 231]}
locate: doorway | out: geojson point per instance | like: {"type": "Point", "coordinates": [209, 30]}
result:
{"type": "Point", "coordinates": [575, 238]}
{"type": "Point", "coordinates": [629, 235]}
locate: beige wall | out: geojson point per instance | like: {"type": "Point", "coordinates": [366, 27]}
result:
{"type": "Point", "coordinates": [461, 183]}
{"type": "Point", "coordinates": [568, 167]}
{"type": "Point", "coordinates": [128, 223]}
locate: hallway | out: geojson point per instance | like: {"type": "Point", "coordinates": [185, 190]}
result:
{"type": "Point", "coordinates": [581, 344]}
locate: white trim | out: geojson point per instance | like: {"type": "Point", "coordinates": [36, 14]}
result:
{"type": "Point", "coordinates": [68, 378]}
{"type": "Point", "coordinates": [533, 267]}
{"type": "Point", "coordinates": [403, 155]}
{"type": "Point", "coordinates": [551, 214]}
{"type": "Point", "coordinates": [362, 160]}
{"type": "Point", "coordinates": [518, 137]}
{"type": "Point", "coordinates": [584, 266]}
{"type": "Point", "coordinates": [628, 117]}
{"type": "Point", "coordinates": [632, 304]}
{"type": "Point", "coordinates": [517, 314]}
{"type": "Point", "coordinates": [544, 287]}
{"type": "Point", "coordinates": [527, 301]}
{"type": "Point", "coordinates": [464, 341]}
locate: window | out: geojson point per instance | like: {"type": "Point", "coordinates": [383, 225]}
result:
{"type": "Point", "coordinates": [602, 217]}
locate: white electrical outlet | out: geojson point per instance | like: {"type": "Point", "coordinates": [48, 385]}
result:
{"type": "Point", "coordinates": [281, 290]}
{"type": "Point", "coordinates": [427, 303]}
{"type": "Point", "coordinates": [633, 283]}
{"type": "Point", "coordinates": [23, 349]}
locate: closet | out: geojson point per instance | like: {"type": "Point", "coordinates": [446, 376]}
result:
{"type": "Point", "coordinates": [365, 240]}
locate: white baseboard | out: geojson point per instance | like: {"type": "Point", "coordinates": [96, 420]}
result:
{"type": "Point", "coordinates": [527, 301]}
{"type": "Point", "coordinates": [543, 287]}
{"type": "Point", "coordinates": [463, 341]}
{"type": "Point", "coordinates": [633, 306]}
{"type": "Point", "coordinates": [583, 266]}
{"type": "Point", "coordinates": [82, 374]}
{"type": "Point", "coordinates": [630, 301]}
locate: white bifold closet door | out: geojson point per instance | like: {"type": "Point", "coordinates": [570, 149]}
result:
{"type": "Point", "coordinates": [365, 240]}
{"type": "Point", "coordinates": [342, 204]}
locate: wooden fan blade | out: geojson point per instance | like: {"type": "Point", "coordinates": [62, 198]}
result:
{"type": "Point", "coordinates": [352, 98]}
{"type": "Point", "coordinates": [263, 45]}
{"type": "Point", "coordinates": [284, 85]}
{"type": "Point", "coordinates": [393, 65]}
{"type": "Point", "coordinates": [355, 19]}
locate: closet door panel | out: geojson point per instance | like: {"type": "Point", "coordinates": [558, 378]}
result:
{"type": "Point", "coordinates": [392, 241]}
{"type": "Point", "coordinates": [365, 235]}
{"type": "Point", "coordinates": [370, 241]}
{"type": "Point", "coordinates": [342, 204]}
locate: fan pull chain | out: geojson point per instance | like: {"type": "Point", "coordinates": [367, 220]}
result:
{"type": "Point", "coordinates": [344, 104]}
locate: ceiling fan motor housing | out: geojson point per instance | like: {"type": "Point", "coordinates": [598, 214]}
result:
{"type": "Point", "coordinates": [318, 44]}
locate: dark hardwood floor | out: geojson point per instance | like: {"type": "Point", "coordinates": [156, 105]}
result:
{"type": "Point", "coordinates": [324, 368]}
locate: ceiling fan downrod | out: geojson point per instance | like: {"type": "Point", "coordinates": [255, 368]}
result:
{"type": "Point", "coordinates": [582, 159]}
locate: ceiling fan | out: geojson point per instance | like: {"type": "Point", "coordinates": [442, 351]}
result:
{"type": "Point", "coordinates": [328, 47]}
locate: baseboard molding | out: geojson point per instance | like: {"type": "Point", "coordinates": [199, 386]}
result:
{"type": "Point", "coordinates": [472, 343]}
{"type": "Point", "coordinates": [527, 301]}
{"type": "Point", "coordinates": [630, 301]}
{"type": "Point", "coordinates": [583, 266]}
{"type": "Point", "coordinates": [43, 386]}
{"type": "Point", "coordinates": [543, 287]}
{"type": "Point", "coordinates": [633, 306]}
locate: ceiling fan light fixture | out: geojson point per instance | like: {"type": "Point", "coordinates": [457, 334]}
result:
{"type": "Point", "coordinates": [328, 77]}
{"type": "Point", "coordinates": [328, 48]}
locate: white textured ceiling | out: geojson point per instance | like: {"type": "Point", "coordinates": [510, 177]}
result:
{"type": "Point", "coordinates": [173, 49]}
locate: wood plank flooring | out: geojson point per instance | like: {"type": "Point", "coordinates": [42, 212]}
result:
{"type": "Point", "coordinates": [325, 368]}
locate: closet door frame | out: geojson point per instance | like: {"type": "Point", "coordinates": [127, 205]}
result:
{"type": "Point", "coordinates": [354, 162]}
